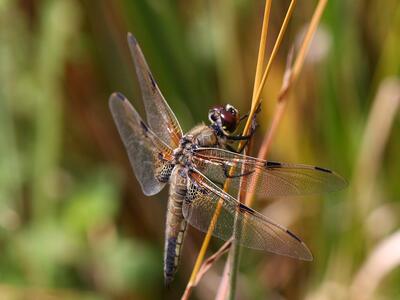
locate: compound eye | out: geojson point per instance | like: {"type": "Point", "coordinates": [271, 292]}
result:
{"type": "Point", "coordinates": [229, 121]}
{"type": "Point", "coordinates": [229, 108]}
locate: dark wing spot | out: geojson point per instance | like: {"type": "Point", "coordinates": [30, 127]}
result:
{"type": "Point", "coordinates": [272, 164]}
{"type": "Point", "coordinates": [144, 126]}
{"type": "Point", "coordinates": [323, 170]}
{"type": "Point", "coordinates": [153, 83]}
{"type": "Point", "coordinates": [120, 96]}
{"type": "Point", "coordinates": [293, 236]}
{"type": "Point", "coordinates": [243, 207]}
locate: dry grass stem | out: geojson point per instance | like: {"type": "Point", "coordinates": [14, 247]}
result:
{"type": "Point", "coordinates": [259, 82]}
{"type": "Point", "coordinates": [289, 78]}
{"type": "Point", "coordinates": [291, 75]}
{"type": "Point", "coordinates": [228, 281]}
{"type": "Point", "coordinates": [261, 49]}
{"type": "Point", "coordinates": [193, 281]}
{"type": "Point", "coordinates": [256, 98]}
{"type": "Point", "coordinates": [223, 286]}
{"type": "Point", "coordinates": [213, 258]}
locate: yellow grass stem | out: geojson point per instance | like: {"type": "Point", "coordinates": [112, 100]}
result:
{"type": "Point", "coordinates": [258, 87]}
{"type": "Point", "coordinates": [261, 49]}
{"type": "Point", "coordinates": [291, 75]}
{"type": "Point", "coordinates": [260, 61]}
{"type": "Point", "coordinates": [233, 261]}
{"type": "Point", "coordinates": [256, 98]}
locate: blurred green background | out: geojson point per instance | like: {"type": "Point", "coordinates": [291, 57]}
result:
{"type": "Point", "coordinates": [74, 223]}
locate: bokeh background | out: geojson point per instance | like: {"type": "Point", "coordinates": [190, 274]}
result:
{"type": "Point", "coordinates": [74, 223]}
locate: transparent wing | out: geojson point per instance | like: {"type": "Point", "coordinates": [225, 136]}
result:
{"type": "Point", "coordinates": [253, 230]}
{"type": "Point", "coordinates": [148, 155]}
{"type": "Point", "coordinates": [265, 178]}
{"type": "Point", "coordinates": [159, 115]}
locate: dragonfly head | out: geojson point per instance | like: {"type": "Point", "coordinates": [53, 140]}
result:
{"type": "Point", "coordinates": [225, 117]}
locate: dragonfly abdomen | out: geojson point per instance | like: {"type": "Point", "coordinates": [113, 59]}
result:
{"type": "Point", "coordinates": [175, 224]}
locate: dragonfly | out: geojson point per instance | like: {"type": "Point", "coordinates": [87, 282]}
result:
{"type": "Point", "coordinates": [196, 166]}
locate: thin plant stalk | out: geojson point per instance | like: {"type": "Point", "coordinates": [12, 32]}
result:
{"type": "Point", "coordinates": [262, 47]}
{"type": "Point", "coordinates": [256, 98]}
{"type": "Point", "coordinates": [192, 281]}
{"type": "Point", "coordinates": [234, 255]}
{"type": "Point", "coordinates": [291, 75]}
{"type": "Point", "coordinates": [207, 264]}
{"type": "Point", "coordinates": [234, 258]}
{"type": "Point", "coordinates": [255, 102]}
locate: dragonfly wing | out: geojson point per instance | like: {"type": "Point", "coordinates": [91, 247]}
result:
{"type": "Point", "coordinates": [253, 230]}
{"type": "Point", "coordinates": [159, 115]}
{"type": "Point", "coordinates": [148, 155]}
{"type": "Point", "coordinates": [265, 178]}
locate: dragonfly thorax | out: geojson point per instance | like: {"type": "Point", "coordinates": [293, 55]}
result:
{"type": "Point", "coordinates": [183, 154]}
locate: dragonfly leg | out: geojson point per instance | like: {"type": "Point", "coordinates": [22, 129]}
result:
{"type": "Point", "coordinates": [254, 124]}
{"type": "Point", "coordinates": [245, 138]}
{"type": "Point", "coordinates": [238, 137]}
{"type": "Point", "coordinates": [240, 149]}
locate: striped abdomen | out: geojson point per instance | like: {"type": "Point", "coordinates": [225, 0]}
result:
{"type": "Point", "coordinates": [175, 224]}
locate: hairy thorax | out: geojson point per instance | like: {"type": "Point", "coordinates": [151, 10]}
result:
{"type": "Point", "coordinates": [200, 136]}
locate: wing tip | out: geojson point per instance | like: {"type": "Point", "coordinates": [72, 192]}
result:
{"type": "Point", "coordinates": [307, 255]}
{"type": "Point", "coordinates": [309, 258]}
{"type": "Point", "coordinates": [342, 183]}
{"type": "Point", "coordinates": [131, 39]}
{"type": "Point", "coordinates": [116, 100]}
{"type": "Point", "coordinates": [117, 96]}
